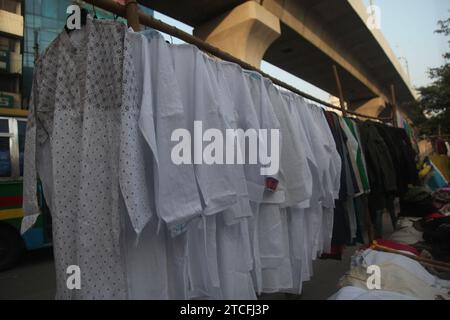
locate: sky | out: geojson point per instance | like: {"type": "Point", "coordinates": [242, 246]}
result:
{"type": "Point", "coordinates": [407, 25]}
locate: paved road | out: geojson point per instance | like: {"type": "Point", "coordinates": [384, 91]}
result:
{"type": "Point", "coordinates": [34, 278]}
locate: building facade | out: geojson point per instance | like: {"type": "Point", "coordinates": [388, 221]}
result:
{"type": "Point", "coordinates": [11, 39]}
{"type": "Point", "coordinates": [44, 20]}
{"type": "Point", "coordinates": [27, 27]}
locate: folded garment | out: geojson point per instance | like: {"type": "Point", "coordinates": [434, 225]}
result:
{"type": "Point", "coordinates": [408, 235]}
{"type": "Point", "coordinates": [371, 257]}
{"type": "Point", "coordinates": [396, 279]}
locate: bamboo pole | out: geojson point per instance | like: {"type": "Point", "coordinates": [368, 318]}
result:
{"type": "Point", "coordinates": [428, 262]}
{"type": "Point", "coordinates": [132, 14]}
{"type": "Point", "coordinates": [339, 88]}
{"type": "Point", "coordinates": [394, 106]}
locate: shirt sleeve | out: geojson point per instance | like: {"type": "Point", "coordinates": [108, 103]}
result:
{"type": "Point", "coordinates": [215, 181]}
{"type": "Point", "coordinates": [177, 198]}
{"type": "Point", "coordinates": [135, 187]}
{"type": "Point", "coordinates": [30, 201]}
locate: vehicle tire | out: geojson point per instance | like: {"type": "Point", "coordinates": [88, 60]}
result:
{"type": "Point", "coordinates": [12, 246]}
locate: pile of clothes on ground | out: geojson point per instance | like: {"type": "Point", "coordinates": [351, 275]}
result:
{"type": "Point", "coordinates": [400, 278]}
{"type": "Point", "coordinates": [414, 261]}
{"type": "Point", "coordinates": [425, 222]}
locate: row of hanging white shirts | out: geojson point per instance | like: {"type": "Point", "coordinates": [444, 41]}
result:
{"type": "Point", "coordinates": [140, 226]}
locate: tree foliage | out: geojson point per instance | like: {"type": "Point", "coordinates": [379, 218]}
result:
{"type": "Point", "coordinates": [433, 111]}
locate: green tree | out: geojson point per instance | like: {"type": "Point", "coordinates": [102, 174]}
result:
{"type": "Point", "coordinates": [434, 105]}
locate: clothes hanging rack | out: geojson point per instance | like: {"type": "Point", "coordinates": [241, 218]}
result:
{"type": "Point", "coordinates": [135, 17]}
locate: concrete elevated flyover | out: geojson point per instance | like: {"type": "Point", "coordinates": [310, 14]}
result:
{"type": "Point", "coordinates": [305, 38]}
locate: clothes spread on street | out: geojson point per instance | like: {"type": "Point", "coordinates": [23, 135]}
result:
{"type": "Point", "coordinates": [399, 275]}
{"type": "Point", "coordinates": [144, 214]}
{"type": "Point", "coordinates": [356, 293]}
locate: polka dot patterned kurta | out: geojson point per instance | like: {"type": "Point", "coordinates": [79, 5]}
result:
{"type": "Point", "coordinates": [73, 145]}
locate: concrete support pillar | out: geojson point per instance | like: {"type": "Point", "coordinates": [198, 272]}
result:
{"type": "Point", "coordinates": [372, 107]}
{"type": "Point", "coordinates": [245, 32]}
